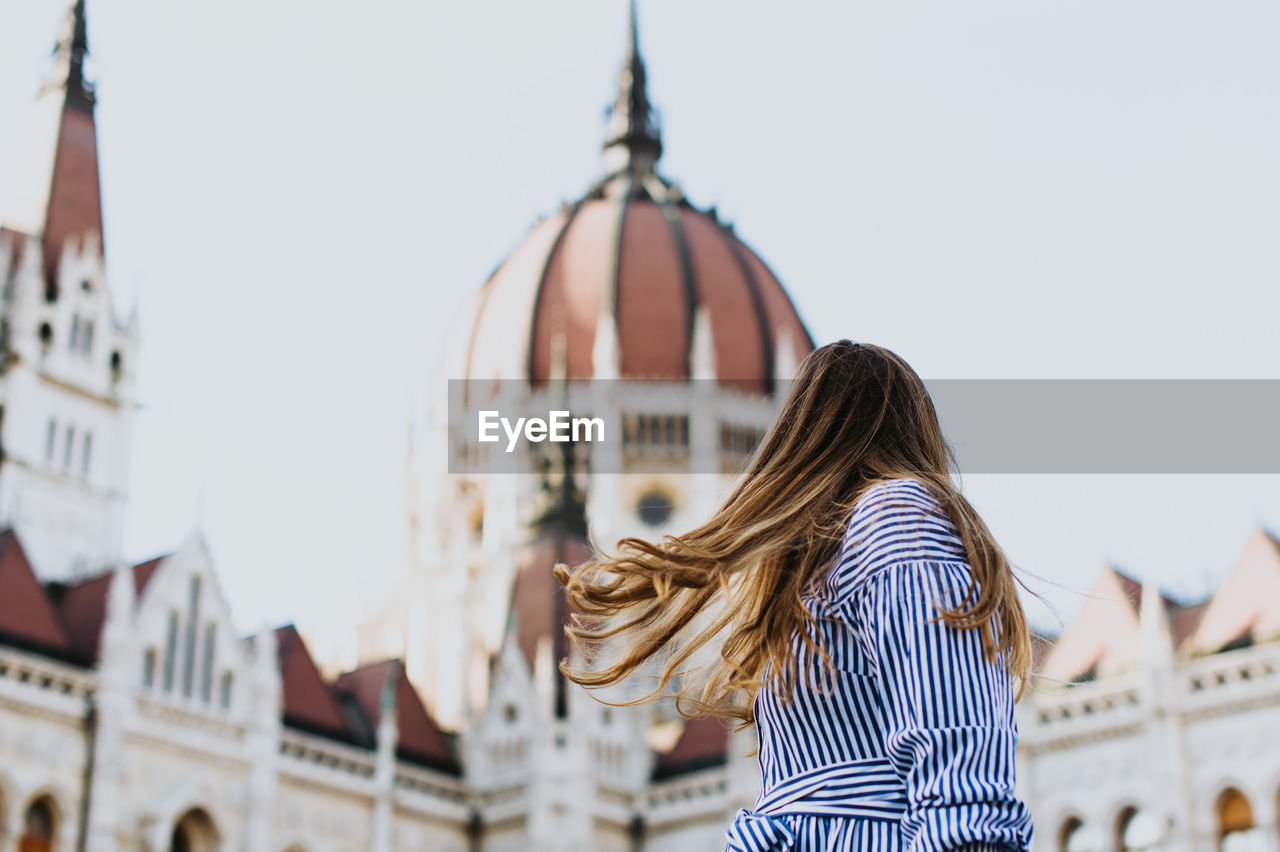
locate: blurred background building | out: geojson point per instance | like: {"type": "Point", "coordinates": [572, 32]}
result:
{"type": "Point", "coordinates": [133, 714]}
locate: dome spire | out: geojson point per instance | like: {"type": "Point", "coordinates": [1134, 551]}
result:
{"type": "Point", "coordinates": [633, 141]}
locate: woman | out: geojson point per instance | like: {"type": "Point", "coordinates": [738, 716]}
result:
{"type": "Point", "coordinates": [865, 620]}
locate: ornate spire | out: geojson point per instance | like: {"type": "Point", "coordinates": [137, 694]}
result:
{"type": "Point", "coordinates": [633, 141]}
{"type": "Point", "coordinates": [73, 207]}
{"type": "Point", "coordinates": [71, 50]}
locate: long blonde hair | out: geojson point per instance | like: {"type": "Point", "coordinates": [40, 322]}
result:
{"type": "Point", "coordinates": [857, 414]}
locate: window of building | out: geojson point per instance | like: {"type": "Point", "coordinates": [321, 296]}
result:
{"type": "Point", "coordinates": [194, 832]}
{"type": "Point", "coordinates": [1236, 829]}
{"type": "Point", "coordinates": [1137, 831]}
{"type": "Point", "coordinates": [50, 439]}
{"type": "Point", "coordinates": [224, 691]}
{"type": "Point", "coordinates": [189, 651]}
{"type": "Point", "coordinates": [739, 440]}
{"type": "Point", "coordinates": [171, 651]}
{"type": "Point", "coordinates": [654, 508]}
{"type": "Point", "coordinates": [149, 667]}
{"type": "Point", "coordinates": [75, 331]}
{"type": "Point", "coordinates": [1072, 835]}
{"type": "Point", "coordinates": [68, 447]}
{"type": "Point", "coordinates": [86, 336]}
{"type": "Point", "coordinates": [655, 430]}
{"type": "Point", "coordinates": [38, 827]}
{"type": "Point", "coordinates": [206, 664]}
{"type": "Point", "coordinates": [86, 450]}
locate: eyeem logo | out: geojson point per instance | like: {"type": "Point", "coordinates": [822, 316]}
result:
{"type": "Point", "coordinates": [559, 427]}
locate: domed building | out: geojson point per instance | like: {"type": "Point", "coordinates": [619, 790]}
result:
{"type": "Point", "coordinates": [651, 315]}
{"type": "Point", "coordinates": [668, 328]}
{"type": "Point", "coordinates": [633, 275]}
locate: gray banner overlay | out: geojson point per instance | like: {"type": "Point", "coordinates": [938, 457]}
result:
{"type": "Point", "coordinates": [1063, 426]}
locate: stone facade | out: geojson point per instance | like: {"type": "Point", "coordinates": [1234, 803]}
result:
{"type": "Point", "coordinates": [1164, 735]}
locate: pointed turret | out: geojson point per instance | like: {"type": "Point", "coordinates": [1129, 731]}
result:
{"type": "Point", "coordinates": [1157, 636]}
{"type": "Point", "coordinates": [633, 141]}
{"type": "Point", "coordinates": [71, 50]}
{"type": "Point", "coordinates": [73, 212]}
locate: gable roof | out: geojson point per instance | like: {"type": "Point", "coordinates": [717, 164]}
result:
{"type": "Point", "coordinates": [16, 243]}
{"type": "Point", "coordinates": [1247, 603]}
{"type": "Point", "coordinates": [1105, 637]}
{"type": "Point", "coordinates": [419, 739]}
{"type": "Point", "coordinates": [1183, 617]}
{"type": "Point", "coordinates": [83, 605]}
{"type": "Point", "coordinates": [27, 617]}
{"type": "Point", "coordinates": [308, 702]}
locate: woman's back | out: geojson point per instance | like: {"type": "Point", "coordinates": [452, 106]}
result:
{"type": "Point", "coordinates": [897, 730]}
{"type": "Point", "coordinates": [909, 742]}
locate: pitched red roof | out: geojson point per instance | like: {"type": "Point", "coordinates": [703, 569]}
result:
{"type": "Point", "coordinates": [1183, 618]}
{"type": "Point", "coordinates": [27, 616]}
{"type": "Point", "coordinates": [420, 738]}
{"type": "Point", "coordinates": [308, 702]}
{"type": "Point", "coordinates": [1246, 607]}
{"type": "Point", "coordinates": [74, 208]}
{"type": "Point", "coordinates": [538, 601]}
{"type": "Point", "coordinates": [704, 743]}
{"type": "Point", "coordinates": [17, 241]}
{"type": "Point", "coordinates": [83, 605]}
{"type": "Point", "coordinates": [1041, 645]}
{"type": "Point", "coordinates": [539, 609]}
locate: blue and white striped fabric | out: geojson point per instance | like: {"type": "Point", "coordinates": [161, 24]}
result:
{"type": "Point", "coordinates": [911, 744]}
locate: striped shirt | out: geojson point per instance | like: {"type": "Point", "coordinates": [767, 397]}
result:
{"type": "Point", "coordinates": [910, 744]}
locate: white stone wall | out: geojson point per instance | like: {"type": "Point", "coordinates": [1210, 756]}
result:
{"type": "Point", "coordinates": [159, 755]}
{"type": "Point", "coordinates": [42, 743]}
{"type": "Point", "coordinates": [1167, 743]}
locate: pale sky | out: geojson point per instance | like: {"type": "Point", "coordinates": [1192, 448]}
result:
{"type": "Point", "coordinates": [301, 195]}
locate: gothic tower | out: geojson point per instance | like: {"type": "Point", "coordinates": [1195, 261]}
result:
{"type": "Point", "coordinates": [66, 361]}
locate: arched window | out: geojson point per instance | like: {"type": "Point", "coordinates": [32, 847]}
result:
{"type": "Point", "coordinates": [194, 832]}
{"type": "Point", "coordinates": [1076, 836]}
{"type": "Point", "coordinates": [38, 827]}
{"type": "Point", "coordinates": [1069, 833]}
{"type": "Point", "coordinates": [1236, 830]}
{"type": "Point", "coordinates": [1138, 831]}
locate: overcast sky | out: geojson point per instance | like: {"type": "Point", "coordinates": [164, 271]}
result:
{"type": "Point", "coordinates": [301, 195]}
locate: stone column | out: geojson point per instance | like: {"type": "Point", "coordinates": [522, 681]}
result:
{"type": "Point", "coordinates": [118, 664]}
{"type": "Point", "coordinates": [382, 833]}
{"type": "Point", "coordinates": [263, 741]}
{"type": "Point", "coordinates": [1166, 750]}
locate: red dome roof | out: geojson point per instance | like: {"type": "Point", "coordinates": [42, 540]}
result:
{"type": "Point", "coordinates": [633, 252]}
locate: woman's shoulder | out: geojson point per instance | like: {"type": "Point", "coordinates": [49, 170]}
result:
{"type": "Point", "coordinates": [895, 521]}
{"type": "Point", "coordinates": [902, 490]}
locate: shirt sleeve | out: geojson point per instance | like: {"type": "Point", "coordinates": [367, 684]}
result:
{"type": "Point", "coordinates": [949, 727]}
